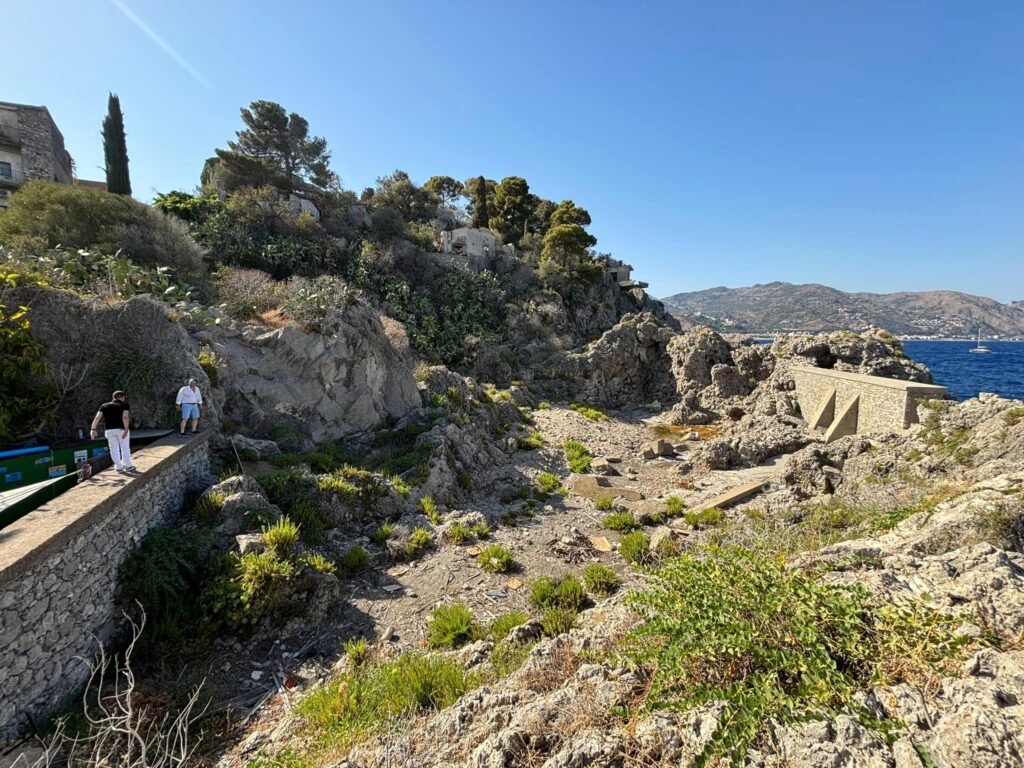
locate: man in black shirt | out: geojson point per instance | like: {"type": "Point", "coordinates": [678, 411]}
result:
{"type": "Point", "coordinates": [115, 418]}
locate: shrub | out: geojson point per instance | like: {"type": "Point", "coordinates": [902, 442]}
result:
{"type": "Point", "coordinates": [208, 362]}
{"type": "Point", "coordinates": [368, 699]}
{"type": "Point", "coordinates": [605, 504]}
{"type": "Point", "coordinates": [261, 578]}
{"type": "Point", "coordinates": [531, 442]}
{"type": "Point", "coordinates": [543, 405]}
{"type": "Point", "coordinates": [507, 657]}
{"type": "Point", "coordinates": [591, 412]}
{"type": "Point", "coordinates": [635, 548]}
{"type": "Point", "coordinates": [383, 532]}
{"type": "Point", "coordinates": [564, 592]}
{"type": "Point", "coordinates": [674, 506]}
{"type": "Point", "coordinates": [281, 536]}
{"type": "Point", "coordinates": [429, 508]}
{"type": "Point", "coordinates": [208, 506]}
{"type": "Point", "coordinates": [481, 530]}
{"type": "Point", "coordinates": [247, 293]}
{"type": "Point", "coordinates": [310, 520]}
{"type": "Point", "coordinates": [318, 562]}
{"type": "Point", "coordinates": [775, 644]}
{"type": "Point", "coordinates": [357, 649]}
{"type": "Point", "coordinates": [706, 518]}
{"type": "Point", "coordinates": [164, 573]}
{"type": "Point", "coordinates": [600, 580]}
{"type": "Point", "coordinates": [451, 626]}
{"type": "Point", "coordinates": [542, 591]}
{"type": "Point", "coordinates": [496, 559]}
{"type": "Point", "coordinates": [557, 621]}
{"type": "Point", "coordinates": [44, 215]}
{"type": "Point", "coordinates": [289, 487]}
{"type": "Point", "coordinates": [548, 483]}
{"type": "Point", "coordinates": [22, 400]}
{"type": "Point", "coordinates": [619, 521]}
{"type": "Point", "coordinates": [419, 542]}
{"type": "Point", "coordinates": [577, 456]}
{"type": "Point", "coordinates": [505, 623]}
{"type": "Point", "coordinates": [1013, 416]}
{"type": "Point", "coordinates": [355, 559]}
{"type": "Point", "coordinates": [458, 534]}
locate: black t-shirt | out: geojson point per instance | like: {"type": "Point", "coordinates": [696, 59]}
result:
{"type": "Point", "coordinates": [113, 414]}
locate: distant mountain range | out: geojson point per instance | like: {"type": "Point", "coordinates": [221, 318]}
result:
{"type": "Point", "coordinates": [785, 307]}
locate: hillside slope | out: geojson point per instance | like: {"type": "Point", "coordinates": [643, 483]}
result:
{"type": "Point", "coordinates": [780, 307]}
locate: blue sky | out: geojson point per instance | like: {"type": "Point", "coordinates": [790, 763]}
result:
{"type": "Point", "coordinates": [869, 146]}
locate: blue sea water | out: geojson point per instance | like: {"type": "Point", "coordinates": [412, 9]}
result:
{"type": "Point", "coordinates": [966, 374]}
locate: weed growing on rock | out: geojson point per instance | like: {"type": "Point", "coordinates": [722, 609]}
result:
{"type": "Point", "coordinates": [505, 623]}
{"type": "Point", "coordinates": [557, 621]}
{"type": "Point", "coordinates": [620, 521]}
{"type": "Point", "coordinates": [706, 518]}
{"type": "Point", "coordinates": [354, 560]}
{"type": "Point", "coordinates": [547, 483]}
{"type": "Point", "coordinates": [459, 534]}
{"type": "Point", "coordinates": [481, 530]}
{"type": "Point", "coordinates": [1013, 416]}
{"type": "Point", "coordinates": [565, 592]}
{"type": "Point", "coordinates": [419, 542]}
{"type": "Point", "coordinates": [590, 411]}
{"type": "Point", "coordinates": [532, 441]}
{"type": "Point", "coordinates": [577, 456]}
{"type": "Point", "coordinates": [605, 504]}
{"type": "Point", "coordinates": [600, 580]}
{"type": "Point", "coordinates": [281, 536]}
{"type": "Point", "coordinates": [496, 559]}
{"type": "Point", "coordinates": [357, 649]}
{"type": "Point", "coordinates": [208, 506]}
{"type": "Point", "coordinates": [318, 562]}
{"type": "Point", "coordinates": [382, 533]}
{"type": "Point", "coordinates": [310, 521]}
{"type": "Point", "coordinates": [429, 509]}
{"type": "Point", "coordinates": [635, 548]}
{"type": "Point", "coordinates": [674, 506]}
{"type": "Point", "coordinates": [451, 626]}
{"type": "Point", "coordinates": [543, 405]}
{"type": "Point", "coordinates": [774, 643]}
{"type": "Point", "coordinates": [507, 657]}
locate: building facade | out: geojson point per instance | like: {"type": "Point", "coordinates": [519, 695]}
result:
{"type": "Point", "coordinates": [31, 148]}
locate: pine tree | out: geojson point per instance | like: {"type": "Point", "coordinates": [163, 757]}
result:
{"type": "Point", "coordinates": [115, 149]}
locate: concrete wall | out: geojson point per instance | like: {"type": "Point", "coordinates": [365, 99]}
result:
{"type": "Point", "coordinates": [885, 405]}
{"type": "Point", "coordinates": [58, 574]}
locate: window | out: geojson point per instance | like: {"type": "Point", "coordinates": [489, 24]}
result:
{"type": "Point", "coordinates": [5, 171]}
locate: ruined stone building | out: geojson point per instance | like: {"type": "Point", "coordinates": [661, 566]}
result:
{"type": "Point", "coordinates": [31, 148]}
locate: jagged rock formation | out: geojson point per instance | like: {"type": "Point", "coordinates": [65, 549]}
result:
{"type": "Point", "coordinates": [343, 379]}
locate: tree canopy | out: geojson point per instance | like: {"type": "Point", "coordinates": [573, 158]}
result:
{"type": "Point", "coordinates": [275, 147]}
{"type": "Point", "coordinates": [512, 208]}
{"type": "Point", "coordinates": [399, 192]}
{"type": "Point", "coordinates": [115, 148]}
{"type": "Point", "coordinates": [445, 188]}
{"type": "Point", "coordinates": [480, 190]}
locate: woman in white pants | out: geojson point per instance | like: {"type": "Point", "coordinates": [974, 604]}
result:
{"type": "Point", "coordinates": [115, 418]}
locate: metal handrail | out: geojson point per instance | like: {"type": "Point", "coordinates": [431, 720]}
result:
{"type": "Point", "coordinates": [15, 179]}
{"type": "Point", "coordinates": [9, 131]}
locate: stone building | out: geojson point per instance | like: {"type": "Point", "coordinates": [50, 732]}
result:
{"type": "Point", "coordinates": [473, 243]}
{"type": "Point", "coordinates": [31, 148]}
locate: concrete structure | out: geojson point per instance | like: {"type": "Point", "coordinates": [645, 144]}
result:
{"type": "Point", "coordinates": [58, 574]}
{"type": "Point", "coordinates": [843, 403]}
{"type": "Point", "coordinates": [31, 148]}
{"type": "Point", "coordinates": [473, 243]}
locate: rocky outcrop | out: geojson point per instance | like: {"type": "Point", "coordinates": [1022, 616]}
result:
{"type": "Point", "coordinates": [324, 385]}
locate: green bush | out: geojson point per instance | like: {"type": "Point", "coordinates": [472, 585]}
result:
{"type": "Point", "coordinates": [577, 456]}
{"type": "Point", "coordinates": [775, 644]}
{"type": "Point", "coordinates": [547, 483]}
{"type": "Point", "coordinates": [674, 506]}
{"type": "Point", "coordinates": [24, 402]}
{"type": "Point", "coordinates": [289, 487]}
{"type": "Point", "coordinates": [310, 520]}
{"type": "Point", "coordinates": [496, 559]}
{"type": "Point", "coordinates": [590, 411]}
{"type": "Point", "coordinates": [429, 509]}
{"type": "Point", "coordinates": [459, 534]}
{"type": "Point", "coordinates": [43, 215]}
{"type": "Point", "coordinates": [208, 506]}
{"type": "Point", "coordinates": [281, 536]}
{"type": "Point", "coordinates": [419, 542]}
{"type": "Point", "coordinates": [383, 532]}
{"type": "Point", "coordinates": [164, 573]}
{"type": "Point", "coordinates": [481, 530]}
{"type": "Point", "coordinates": [208, 362]}
{"type": "Point", "coordinates": [355, 559]}
{"type": "Point", "coordinates": [605, 504]}
{"type": "Point", "coordinates": [505, 623]}
{"type": "Point", "coordinates": [318, 562]}
{"type": "Point", "coordinates": [600, 580]}
{"type": "Point", "coordinates": [358, 650]}
{"type": "Point", "coordinates": [451, 626]}
{"type": "Point", "coordinates": [557, 621]}
{"type": "Point", "coordinates": [635, 548]}
{"type": "Point", "coordinates": [620, 521]}
{"type": "Point", "coordinates": [563, 592]}
{"type": "Point", "coordinates": [707, 518]}
{"type": "Point", "coordinates": [532, 441]}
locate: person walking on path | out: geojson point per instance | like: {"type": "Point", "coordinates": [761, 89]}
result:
{"type": "Point", "coordinates": [115, 417]}
{"type": "Point", "coordinates": [190, 405]}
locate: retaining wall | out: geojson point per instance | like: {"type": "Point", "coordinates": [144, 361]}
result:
{"type": "Point", "coordinates": [58, 574]}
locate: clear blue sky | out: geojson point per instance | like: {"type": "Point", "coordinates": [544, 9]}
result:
{"type": "Point", "coordinates": [868, 145]}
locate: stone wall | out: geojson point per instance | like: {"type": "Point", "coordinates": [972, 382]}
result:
{"type": "Point", "coordinates": [43, 155]}
{"type": "Point", "coordinates": [58, 574]}
{"type": "Point", "coordinates": [885, 405]}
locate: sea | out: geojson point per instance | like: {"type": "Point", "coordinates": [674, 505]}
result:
{"type": "Point", "coordinates": [966, 374]}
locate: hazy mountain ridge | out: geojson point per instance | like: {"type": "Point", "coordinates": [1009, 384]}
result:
{"type": "Point", "coordinates": [780, 307]}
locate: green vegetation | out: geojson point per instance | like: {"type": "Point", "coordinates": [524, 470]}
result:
{"type": "Point", "coordinates": [532, 441]}
{"type": "Point", "coordinates": [706, 518]}
{"type": "Point", "coordinates": [459, 534]}
{"type": "Point", "coordinates": [600, 580]}
{"type": "Point", "coordinates": [620, 521]}
{"type": "Point", "coordinates": [452, 626]}
{"type": "Point", "coordinates": [481, 530]}
{"type": "Point", "coordinates": [1013, 416]}
{"type": "Point", "coordinates": [358, 650]}
{"type": "Point", "coordinates": [674, 506]}
{"type": "Point", "coordinates": [557, 620]}
{"type": "Point", "coordinates": [505, 623]}
{"type": "Point", "coordinates": [547, 483]}
{"type": "Point", "coordinates": [605, 504]}
{"type": "Point", "coordinates": [281, 536]}
{"type": "Point", "coordinates": [419, 542]}
{"type": "Point", "coordinates": [635, 548]}
{"type": "Point", "coordinates": [208, 506]}
{"type": "Point", "coordinates": [565, 592]}
{"type": "Point", "coordinates": [775, 644]}
{"type": "Point", "coordinates": [592, 412]}
{"type": "Point", "coordinates": [429, 509]}
{"type": "Point", "coordinates": [354, 560]}
{"type": "Point", "coordinates": [115, 149]}
{"type": "Point", "coordinates": [543, 405]}
{"type": "Point", "coordinates": [23, 402]}
{"type": "Point", "coordinates": [577, 456]}
{"type": "Point", "coordinates": [318, 562]}
{"type": "Point", "coordinates": [494, 558]}
{"type": "Point", "coordinates": [383, 532]}
{"type": "Point", "coordinates": [208, 362]}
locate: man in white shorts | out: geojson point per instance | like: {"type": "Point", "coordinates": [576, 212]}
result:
{"type": "Point", "coordinates": [115, 417]}
{"type": "Point", "coordinates": [190, 404]}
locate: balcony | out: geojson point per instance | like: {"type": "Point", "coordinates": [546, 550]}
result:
{"type": "Point", "coordinates": [11, 179]}
{"type": "Point", "coordinates": [9, 134]}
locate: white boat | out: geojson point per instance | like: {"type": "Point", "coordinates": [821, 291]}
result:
{"type": "Point", "coordinates": [980, 348]}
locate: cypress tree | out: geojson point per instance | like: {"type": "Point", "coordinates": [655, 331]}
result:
{"type": "Point", "coordinates": [115, 149]}
{"type": "Point", "coordinates": [481, 217]}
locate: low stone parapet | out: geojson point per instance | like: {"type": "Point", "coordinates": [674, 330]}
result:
{"type": "Point", "coordinates": [58, 573]}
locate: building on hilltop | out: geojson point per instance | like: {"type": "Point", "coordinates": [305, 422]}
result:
{"type": "Point", "coordinates": [31, 148]}
{"type": "Point", "coordinates": [474, 243]}
{"type": "Point", "coordinates": [620, 272]}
